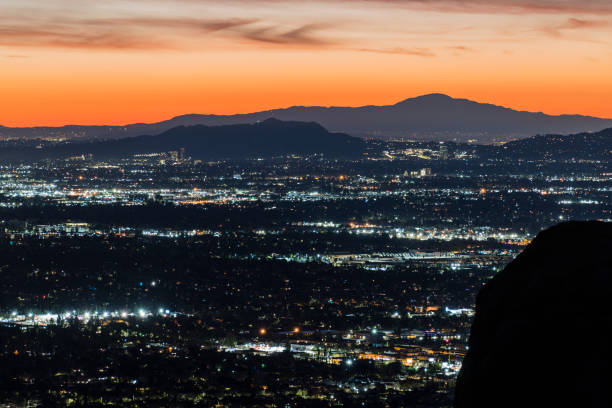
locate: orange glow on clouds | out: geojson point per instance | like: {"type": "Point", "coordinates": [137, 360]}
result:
{"type": "Point", "coordinates": [148, 60]}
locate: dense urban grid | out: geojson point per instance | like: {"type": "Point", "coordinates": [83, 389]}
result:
{"type": "Point", "coordinates": [297, 281]}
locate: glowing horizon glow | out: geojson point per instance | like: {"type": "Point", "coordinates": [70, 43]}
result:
{"type": "Point", "coordinates": [126, 61]}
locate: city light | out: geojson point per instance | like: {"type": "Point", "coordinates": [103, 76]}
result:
{"type": "Point", "coordinates": [372, 262]}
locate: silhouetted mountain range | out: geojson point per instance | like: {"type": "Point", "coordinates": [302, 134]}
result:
{"type": "Point", "coordinates": [539, 337]}
{"type": "Point", "coordinates": [584, 146]}
{"type": "Point", "coordinates": [427, 117]}
{"type": "Point", "coordinates": [273, 137]}
{"type": "Point", "coordinates": [268, 138]}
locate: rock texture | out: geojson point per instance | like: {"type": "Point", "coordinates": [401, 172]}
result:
{"type": "Point", "coordinates": [540, 337]}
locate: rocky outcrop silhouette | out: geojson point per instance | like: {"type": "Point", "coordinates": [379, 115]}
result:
{"type": "Point", "coordinates": [540, 336]}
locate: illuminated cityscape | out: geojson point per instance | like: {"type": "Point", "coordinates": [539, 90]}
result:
{"type": "Point", "coordinates": [273, 281]}
{"type": "Point", "coordinates": [305, 203]}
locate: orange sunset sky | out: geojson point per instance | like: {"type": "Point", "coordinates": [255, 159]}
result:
{"type": "Point", "coordinates": [116, 62]}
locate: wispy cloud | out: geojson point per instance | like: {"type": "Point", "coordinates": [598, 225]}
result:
{"type": "Point", "coordinates": [145, 33]}
{"type": "Point", "coordinates": [112, 33]}
{"type": "Point", "coordinates": [69, 38]}
{"type": "Point", "coordinates": [572, 24]}
{"type": "Point", "coordinates": [418, 52]}
{"type": "Point", "coordinates": [506, 6]}
{"type": "Point", "coordinates": [488, 6]}
{"type": "Point", "coordinates": [576, 23]}
{"type": "Point", "coordinates": [188, 23]}
{"type": "Point", "coordinates": [196, 24]}
{"type": "Point", "coordinates": [305, 35]}
{"type": "Point", "coordinates": [461, 48]}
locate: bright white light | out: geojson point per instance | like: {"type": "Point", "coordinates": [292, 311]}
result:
{"type": "Point", "coordinates": [87, 315]}
{"type": "Point", "coordinates": [167, 311]}
{"type": "Point", "coordinates": [349, 362]}
{"type": "Point", "coordinates": [124, 314]}
{"type": "Point", "coordinates": [161, 311]}
{"type": "Point", "coordinates": [153, 283]}
{"type": "Point", "coordinates": [374, 331]}
{"type": "Point", "coordinates": [105, 314]}
{"type": "Point", "coordinates": [142, 313]}
{"type": "Point", "coordinates": [14, 314]}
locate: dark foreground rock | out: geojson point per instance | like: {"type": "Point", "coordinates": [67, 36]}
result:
{"type": "Point", "coordinates": [541, 337]}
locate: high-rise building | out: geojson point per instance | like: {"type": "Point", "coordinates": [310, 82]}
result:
{"type": "Point", "coordinates": [425, 172]}
{"type": "Point", "coordinates": [444, 152]}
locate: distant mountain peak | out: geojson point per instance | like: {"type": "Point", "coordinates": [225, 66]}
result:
{"type": "Point", "coordinates": [272, 121]}
{"type": "Point", "coordinates": [268, 138]}
{"type": "Point", "coordinates": [435, 96]}
{"type": "Point", "coordinates": [432, 97]}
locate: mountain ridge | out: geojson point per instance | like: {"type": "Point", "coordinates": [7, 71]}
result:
{"type": "Point", "coordinates": [586, 145]}
{"type": "Point", "coordinates": [273, 137]}
{"type": "Point", "coordinates": [434, 116]}
{"type": "Point", "coordinates": [270, 137]}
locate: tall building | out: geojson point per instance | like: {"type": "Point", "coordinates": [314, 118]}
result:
{"type": "Point", "coordinates": [425, 172]}
{"type": "Point", "coordinates": [444, 152]}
